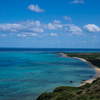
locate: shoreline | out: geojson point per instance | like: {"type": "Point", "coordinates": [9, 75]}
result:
{"type": "Point", "coordinates": [91, 65]}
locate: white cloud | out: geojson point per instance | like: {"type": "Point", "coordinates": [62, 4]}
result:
{"type": "Point", "coordinates": [77, 1]}
{"type": "Point", "coordinates": [21, 35]}
{"type": "Point", "coordinates": [91, 28]}
{"type": "Point", "coordinates": [28, 26]}
{"type": "Point", "coordinates": [72, 29]}
{"type": "Point", "coordinates": [67, 18]}
{"type": "Point", "coordinates": [51, 26]}
{"type": "Point", "coordinates": [75, 29]}
{"type": "Point", "coordinates": [27, 35]}
{"type": "Point", "coordinates": [58, 26]}
{"type": "Point", "coordinates": [95, 36]}
{"type": "Point", "coordinates": [35, 8]}
{"type": "Point", "coordinates": [53, 34]}
{"type": "Point", "coordinates": [66, 29]}
{"type": "Point", "coordinates": [56, 21]}
{"type": "Point", "coordinates": [31, 34]}
{"type": "Point", "coordinates": [68, 24]}
{"type": "Point", "coordinates": [3, 35]}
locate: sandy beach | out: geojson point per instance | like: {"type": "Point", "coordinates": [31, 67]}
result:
{"type": "Point", "coordinates": [95, 67]}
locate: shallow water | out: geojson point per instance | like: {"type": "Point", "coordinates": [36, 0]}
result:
{"type": "Point", "coordinates": [25, 75]}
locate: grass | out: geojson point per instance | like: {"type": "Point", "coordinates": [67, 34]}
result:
{"type": "Point", "coordinates": [94, 58]}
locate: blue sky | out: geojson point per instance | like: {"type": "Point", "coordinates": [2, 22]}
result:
{"type": "Point", "coordinates": [50, 23]}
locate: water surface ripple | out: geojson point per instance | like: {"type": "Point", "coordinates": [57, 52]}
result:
{"type": "Point", "coordinates": [25, 75]}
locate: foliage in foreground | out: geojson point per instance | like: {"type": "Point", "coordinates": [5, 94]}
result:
{"type": "Point", "coordinates": [86, 92]}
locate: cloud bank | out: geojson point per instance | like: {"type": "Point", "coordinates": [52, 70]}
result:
{"type": "Point", "coordinates": [31, 28]}
{"type": "Point", "coordinates": [28, 26]}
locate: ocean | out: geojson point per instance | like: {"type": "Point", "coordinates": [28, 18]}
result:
{"type": "Point", "coordinates": [26, 73]}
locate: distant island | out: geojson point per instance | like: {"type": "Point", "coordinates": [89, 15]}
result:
{"type": "Point", "coordinates": [90, 89]}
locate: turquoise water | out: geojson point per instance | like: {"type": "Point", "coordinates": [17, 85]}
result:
{"type": "Point", "coordinates": [25, 75]}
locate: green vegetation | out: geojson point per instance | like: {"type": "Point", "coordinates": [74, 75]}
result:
{"type": "Point", "coordinates": [94, 58]}
{"type": "Point", "coordinates": [86, 92]}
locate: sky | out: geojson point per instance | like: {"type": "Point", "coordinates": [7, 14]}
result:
{"type": "Point", "coordinates": [50, 23]}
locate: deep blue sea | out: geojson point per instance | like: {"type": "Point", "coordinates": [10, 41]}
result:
{"type": "Point", "coordinates": [26, 73]}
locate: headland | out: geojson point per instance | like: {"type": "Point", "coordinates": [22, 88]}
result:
{"type": "Point", "coordinates": [89, 90]}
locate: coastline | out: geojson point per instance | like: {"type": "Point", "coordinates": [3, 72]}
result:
{"type": "Point", "coordinates": [91, 65]}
